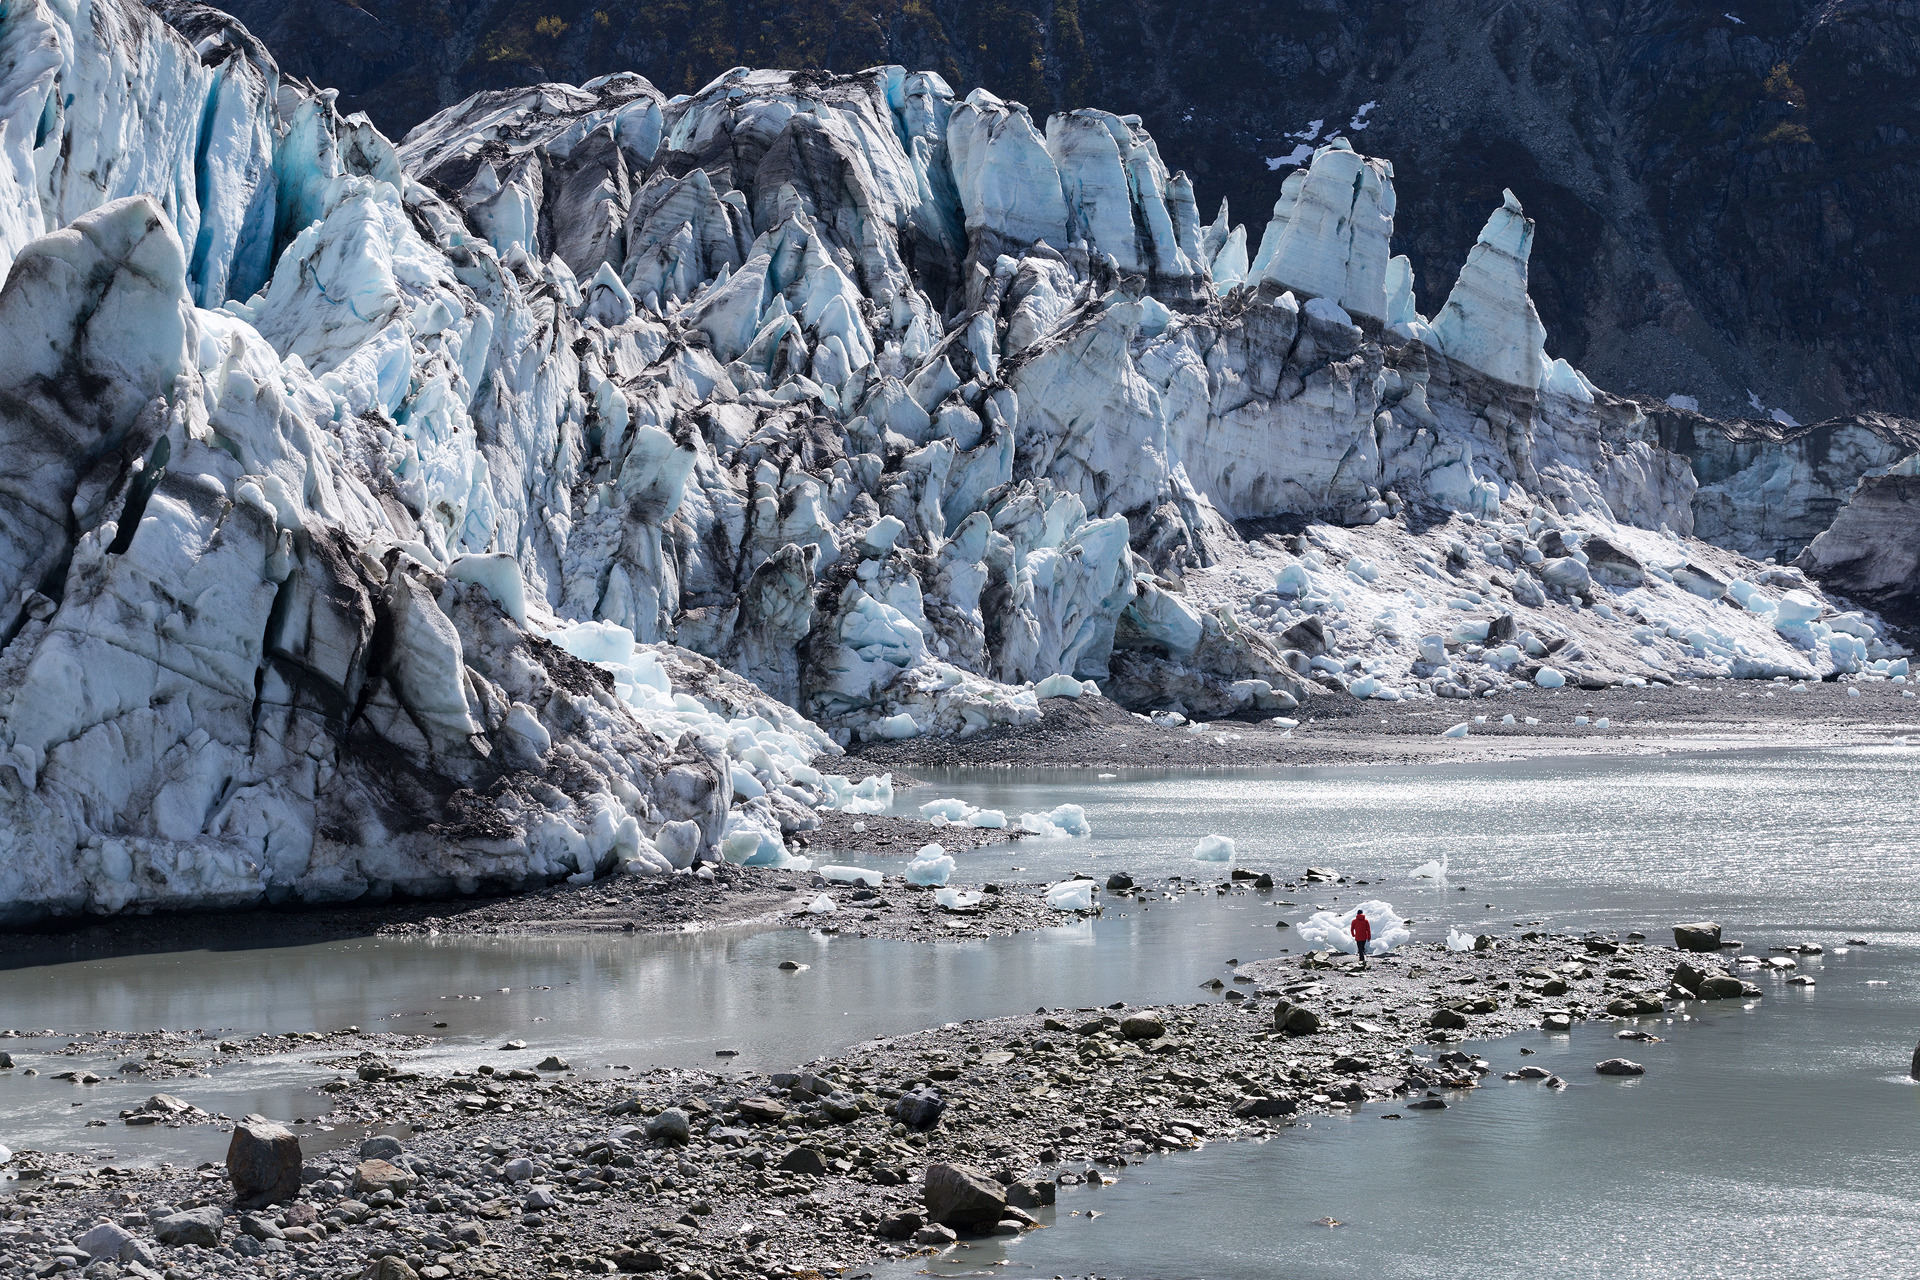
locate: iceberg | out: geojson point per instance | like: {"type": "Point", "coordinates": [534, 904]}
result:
{"type": "Point", "coordinates": [931, 865]}
{"type": "Point", "coordinates": [1213, 848]}
{"type": "Point", "coordinates": [1071, 895]}
{"type": "Point", "coordinates": [1333, 929]}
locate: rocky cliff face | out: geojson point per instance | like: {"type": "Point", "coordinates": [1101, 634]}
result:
{"type": "Point", "coordinates": [559, 491]}
{"type": "Point", "coordinates": [1727, 196]}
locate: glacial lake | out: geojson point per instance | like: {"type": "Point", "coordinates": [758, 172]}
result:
{"type": "Point", "coordinates": [1772, 1140]}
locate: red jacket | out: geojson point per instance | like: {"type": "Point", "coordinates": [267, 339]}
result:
{"type": "Point", "coordinates": [1362, 928]}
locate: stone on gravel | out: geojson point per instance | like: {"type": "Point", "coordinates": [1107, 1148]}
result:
{"type": "Point", "coordinates": [1620, 1067]}
{"type": "Point", "coordinates": [1447, 1020]}
{"type": "Point", "coordinates": [192, 1226]}
{"type": "Point", "coordinates": [380, 1147]}
{"type": "Point", "coordinates": [900, 1226]}
{"type": "Point", "coordinates": [671, 1125]}
{"type": "Point", "coordinates": [1262, 1108]}
{"type": "Point", "coordinates": [1142, 1026]}
{"type": "Point", "coordinates": [919, 1109]}
{"type": "Point", "coordinates": [261, 1228]}
{"type": "Point", "coordinates": [1703, 935]}
{"type": "Point", "coordinates": [1295, 1020]}
{"type": "Point", "coordinates": [375, 1176]}
{"type": "Point", "coordinates": [962, 1197]}
{"type": "Point", "coordinates": [105, 1241]}
{"type": "Point", "coordinates": [389, 1268]}
{"type": "Point", "coordinates": [634, 1260]}
{"type": "Point", "coordinates": [806, 1160]}
{"type": "Point", "coordinates": [762, 1111]}
{"type": "Point", "coordinates": [934, 1236]}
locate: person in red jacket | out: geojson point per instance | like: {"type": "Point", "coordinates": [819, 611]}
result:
{"type": "Point", "coordinates": [1362, 930]}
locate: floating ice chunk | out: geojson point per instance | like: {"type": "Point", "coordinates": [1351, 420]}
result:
{"type": "Point", "coordinates": [1214, 848]}
{"type": "Point", "coordinates": [930, 865]}
{"type": "Point", "coordinates": [956, 899]}
{"type": "Point", "coordinates": [1431, 870]}
{"type": "Point", "coordinates": [1458, 941]}
{"type": "Point", "coordinates": [1334, 929]}
{"type": "Point", "coordinates": [821, 906]}
{"type": "Point", "coordinates": [852, 875]}
{"type": "Point", "coordinates": [953, 810]}
{"type": "Point", "coordinates": [1458, 731]}
{"type": "Point", "coordinates": [1062, 823]}
{"type": "Point", "coordinates": [1058, 686]}
{"type": "Point", "coordinates": [987, 819]}
{"type": "Point", "coordinates": [1071, 895]}
{"type": "Point", "coordinates": [1548, 678]}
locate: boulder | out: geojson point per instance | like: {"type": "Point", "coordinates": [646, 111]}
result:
{"type": "Point", "coordinates": [900, 1226]}
{"type": "Point", "coordinates": [1119, 882]}
{"type": "Point", "coordinates": [375, 1176]}
{"type": "Point", "coordinates": [634, 1260]}
{"type": "Point", "coordinates": [1295, 1020]}
{"type": "Point", "coordinates": [389, 1268]}
{"type": "Point", "coordinates": [919, 1108]}
{"type": "Point", "coordinates": [1634, 1006]}
{"type": "Point", "coordinates": [1142, 1026]}
{"type": "Point", "coordinates": [762, 1110]}
{"type": "Point", "coordinates": [1620, 1067]}
{"type": "Point", "coordinates": [1263, 1108]}
{"type": "Point", "coordinates": [107, 1240]}
{"type": "Point", "coordinates": [380, 1147]}
{"type": "Point", "coordinates": [804, 1160]}
{"type": "Point", "coordinates": [553, 1062]}
{"type": "Point", "coordinates": [192, 1226]}
{"type": "Point", "coordinates": [671, 1125]}
{"type": "Point", "coordinates": [1703, 935]}
{"type": "Point", "coordinates": [1447, 1020]}
{"type": "Point", "coordinates": [960, 1197]}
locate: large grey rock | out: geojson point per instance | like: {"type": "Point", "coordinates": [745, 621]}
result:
{"type": "Point", "coordinates": [804, 1160]}
{"type": "Point", "coordinates": [1620, 1067]}
{"type": "Point", "coordinates": [671, 1125]}
{"type": "Point", "coordinates": [962, 1197]}
{"type": "Point", "coordinates": [380, 1147]}
{"type": "Point", "coordinates": [919, 1108]}
{"type": "Point", "coordinates": [1703, 935]}
{"type": "Point", "coordinates": [108, 1240]}
{"type": "Point", "coordinates": [1142, 1026]}
{"type": "Point", "coordinates": [375, 1176]}
{"type": "Point", "coordinates": [263, 1163]}
{"type": "Point", "coordinates": [191, 1226]}
{"type": "Point", "coordinates": [1295, 1020]}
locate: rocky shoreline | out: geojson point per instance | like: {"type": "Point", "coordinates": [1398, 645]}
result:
{"type": "Point", "coordinates": [896, 1146]}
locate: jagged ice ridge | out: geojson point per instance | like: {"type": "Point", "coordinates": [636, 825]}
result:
{"type": "Point", "coordinates": [560, 490]}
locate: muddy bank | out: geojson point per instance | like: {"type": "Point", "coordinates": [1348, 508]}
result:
{"type": "Point", "coordinates": [528, 1168]}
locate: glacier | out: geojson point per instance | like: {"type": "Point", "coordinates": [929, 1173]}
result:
{"type": "Point", "coordinates": [562, 490]}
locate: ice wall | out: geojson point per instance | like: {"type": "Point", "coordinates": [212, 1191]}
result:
{"type": "Point", "coordinates": [549, 494]}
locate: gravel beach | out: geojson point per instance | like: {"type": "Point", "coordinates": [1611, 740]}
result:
{"type": "Point", "coordinates": [525, 1167]}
